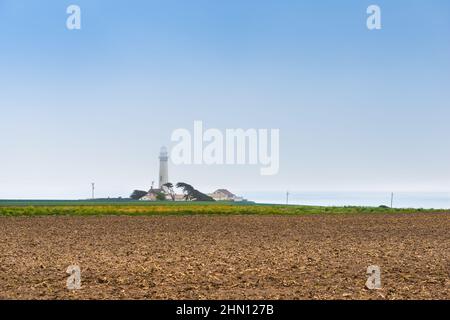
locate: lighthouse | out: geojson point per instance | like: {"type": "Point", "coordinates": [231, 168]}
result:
{"type": "Point", "coordinates": [163, 167]}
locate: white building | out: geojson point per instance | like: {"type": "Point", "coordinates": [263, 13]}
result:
{"type": "Point", "coordinates": [163, 167]}
{"type": "Point", "coordinates": [218, 195]}
{"type": "Point", "coordinates": [225, 195]}
{"type": "Point", "coordinates": [162, 180]}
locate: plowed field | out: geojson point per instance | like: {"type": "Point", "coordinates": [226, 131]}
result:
{"type": "Point", "coordinates": [226, 257]}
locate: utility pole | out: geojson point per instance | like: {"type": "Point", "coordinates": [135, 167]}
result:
{"type": "Point", "coordinates": [392, 199]}
{"type": "Point", "coordinates": [287, 197]}
{"type": "Point", "coordinates": [93, 190]}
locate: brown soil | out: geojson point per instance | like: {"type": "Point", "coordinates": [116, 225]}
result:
{"type": "Point", "coordinates": [226, 257]}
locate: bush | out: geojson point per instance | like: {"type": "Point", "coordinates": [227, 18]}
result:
{"type": "Point", "coordinates": [161, 196]}
{"type": "Point", "coordinates": [137, 194]}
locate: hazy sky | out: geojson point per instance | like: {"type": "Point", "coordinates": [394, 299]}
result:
{"type": "Point", "coordinates": [357, 109]}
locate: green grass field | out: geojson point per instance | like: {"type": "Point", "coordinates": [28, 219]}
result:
{"type": "Point", "coordinates": [126, 207]}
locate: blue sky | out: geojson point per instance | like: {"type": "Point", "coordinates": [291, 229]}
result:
{"type": "Point", "coordinates": [357, 109]}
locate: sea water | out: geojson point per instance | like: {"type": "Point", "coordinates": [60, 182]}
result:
{"type": "Point", "coordinates": [436, 200]}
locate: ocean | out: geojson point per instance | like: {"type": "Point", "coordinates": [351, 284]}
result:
{"type": "Point", "coordinates": [434, 200]}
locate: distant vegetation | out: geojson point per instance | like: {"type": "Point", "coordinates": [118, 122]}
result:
{"type": "Point", "coordinates": [192, 194]}
{"type": "Point", "coordinates": [168, 193]}
{"type": "Point", "coordinates": [89, 208]}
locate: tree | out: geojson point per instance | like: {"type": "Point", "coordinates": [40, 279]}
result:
{"type": "Point", "coordinates": [137, 194]}
{"type": "Point", "coordinates": [199, 196]}
{"type": "Point", "coordinates": [190, 193]}
{"type": "Point", "coordinates": [187, 190]}
{"type": "Point", "coordinates": [169, 187]}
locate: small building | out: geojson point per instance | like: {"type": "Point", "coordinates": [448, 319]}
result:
{"type": "Point", "coordinates": [179, 197]}
{"type": "Point", "coordinates": [225, 195]}
{"type": "Point", "coordinates": [151, 195]}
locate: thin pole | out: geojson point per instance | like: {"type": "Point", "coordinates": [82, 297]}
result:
{"type": "Point", "coordinates": [392, 199]}
{"type": "Point", "coordinates": [93, 190]}
{"type": "Point", "coordinates": [287, 197]}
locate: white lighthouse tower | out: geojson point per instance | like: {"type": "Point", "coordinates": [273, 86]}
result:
{"type": "Point", "coordinates": [163, 167]}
